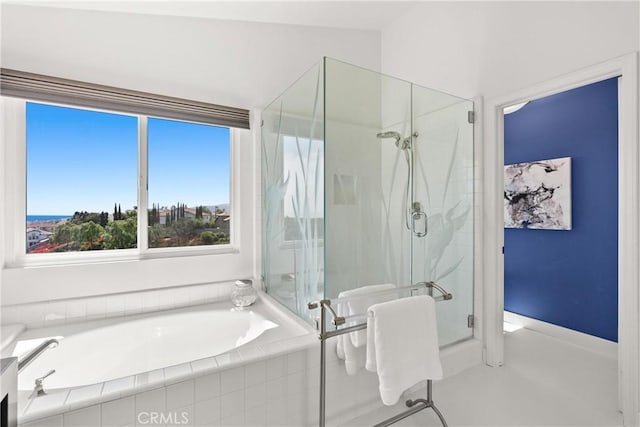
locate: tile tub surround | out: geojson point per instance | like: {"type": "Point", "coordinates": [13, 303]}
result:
{"type": "Point", "coordinates": [73, 310]}
{"type": "Point", "coordinates": [275, 390]}
{"type": "Point", "coordinates": [293, 334]}
{"type": "Point", "coordinates": [278, 389]}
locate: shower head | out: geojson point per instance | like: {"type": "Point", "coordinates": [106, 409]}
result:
{"type": "Point", "coordinates": [403, 145]}
{"type": "Point", "coordinates": [389, 134]}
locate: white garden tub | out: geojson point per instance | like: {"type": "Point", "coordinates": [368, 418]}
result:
{"type": "Point", "coordinates": [124, 356]}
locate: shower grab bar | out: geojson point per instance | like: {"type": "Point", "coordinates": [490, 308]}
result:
{"type": "Point", "coordinates": [325, 305]}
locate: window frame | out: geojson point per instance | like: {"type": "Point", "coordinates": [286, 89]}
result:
{"type": "Point", "coordinates": [16, 196]}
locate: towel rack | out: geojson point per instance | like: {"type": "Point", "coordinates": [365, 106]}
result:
{"type": "Point", "coordinates": [414, 406]}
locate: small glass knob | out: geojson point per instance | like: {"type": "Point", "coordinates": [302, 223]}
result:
{"type": "Point", "coordinates": [243, 294]}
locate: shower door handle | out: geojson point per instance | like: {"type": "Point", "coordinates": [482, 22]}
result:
{"type": "Point", "coordinates": [419, 216]}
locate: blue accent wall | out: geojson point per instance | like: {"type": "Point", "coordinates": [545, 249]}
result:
{"type": "Point", "coordinates": [569, 278]}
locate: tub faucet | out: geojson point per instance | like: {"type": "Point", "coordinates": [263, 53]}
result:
{"type": "Point", "coordinates": [33, 354]}
{"type": "Point", "coordinates": [38, 390]}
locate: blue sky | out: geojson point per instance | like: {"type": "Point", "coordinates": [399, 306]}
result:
{"type": "Point", "coordinates": [87, 160]}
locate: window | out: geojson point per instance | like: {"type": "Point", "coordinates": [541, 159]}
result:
{"type": "Point", "coordinates": [188, 184]}
{"type": "Point", "coordinates": [303, 162]}
{"type": "Point", "coordinates": [84, 191]}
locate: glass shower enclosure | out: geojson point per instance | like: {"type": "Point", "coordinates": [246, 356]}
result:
{"type": "Point", "coordinates": [368, 179]}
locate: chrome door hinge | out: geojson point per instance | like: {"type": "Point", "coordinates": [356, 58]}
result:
{"type": "Point", "coordinates": [471, 320]}
{"type": "Point", "coordinates": [471, 116]}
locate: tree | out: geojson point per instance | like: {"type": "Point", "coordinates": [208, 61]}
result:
{"type": "Point", "coordinates": [63, 233]}
{"type": "Point", "coordinates": [121, 234]}
{"type": "Point", "coordinates": [90, 232]}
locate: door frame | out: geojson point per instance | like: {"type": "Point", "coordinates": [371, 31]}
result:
{"type": "Point", "coordinates": [628, 217]}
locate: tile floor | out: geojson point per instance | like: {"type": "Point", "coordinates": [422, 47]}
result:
{"type": "Point", "coordinates": [545, 382]}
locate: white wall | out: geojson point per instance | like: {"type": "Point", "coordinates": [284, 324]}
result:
{"type": "Point", "coordinates": [226, 62]}
{"type": "Point", "coordinates": [493, 48]}
{"type": "Point", "coordinates": [242, 64]}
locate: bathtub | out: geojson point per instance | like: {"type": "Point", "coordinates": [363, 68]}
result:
{"type": "Point", "coordinates": [102, 360]}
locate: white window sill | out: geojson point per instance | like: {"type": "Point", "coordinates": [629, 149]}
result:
{"type": "Point", "coordinates": [117, 255]}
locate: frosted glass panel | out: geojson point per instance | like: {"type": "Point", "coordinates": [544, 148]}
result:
{"type": "Point", "coordinates": [366, 238]}
{"type": "Point", "coordinates": [350, 158]}
{"type": "Point", "coordinates": [293, 193]}
{"type": "Point", "coordinates": [443, 185]}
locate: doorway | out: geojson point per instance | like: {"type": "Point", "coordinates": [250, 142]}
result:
{"type": "Point", "coordinates": [625, 68]}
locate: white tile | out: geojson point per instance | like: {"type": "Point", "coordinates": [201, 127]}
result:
{"type": "Point", "coordinates": [9, 315]}
{"type": "Point", "coordinates": [116, 304]}
{"type": "Point", "coordinates": [88, 393]}
{"type": "Point", "coordinates": [32, 315]}
{"type": "Point", "coordinates": [118, 386]}
{"type": "Point", "coordinates": [165, 300]}
{"type": "Point", "coordinates": [177, 373]}
{"type": "Point", "coordinates": [277, 389]}
{"type": "Point", "coordinates": [207, 387]}
{"type": "Point", "coordinates": [199, 294]}
{"type": "Point", "coordinates": [296, 361]}
{"type": "Point", "coordinates": [296, 383]}
{"type": "Point", "coordinates": [207, 412]}
{"type": "Point", "coordinates": [150, 301]}
{"type": "Point", "coordinates": [151, 401]}
{"type": "Point", "coordinates": [55, 313]}
{"type": "Point", "coordinates": [180, 395]}
{"type": "Point", "coordinates": [252, 353]}
{"type": "Point", "coordinates": [256, 416]}
{"type": "Point", "coordinates": [255, 373]}
{"type": "Point", "coordinates": [296, 410]}
{"type": "Point", "coordinates": [184, 417]}
{"type": "Point", "coordinates": [255, 395]}
{"type": "Point", "coordinates": [55, 421]}
{"type": "Point", "coordinates": [232, 380]}
{"type": "Point", "coordinates": [133, 303]}
{"type": "Point", "coordinates": [231, 404]}
{"type": "Point", "coordinates": [150, 378]}
{"type": "Point", "coordinates": [213, 293]}
{"type": "Point", "coordinates": [118, 412]}
{"type": "Point", "coordinates": [96, 307]}
{"type": "Point", "coordinates": [76, 309]}
{"type": "Point", "coordinates": [86, 417]}
{"type": "Point", "coordinates": [276, 368]}
{"type": "Point", "coordinates": [229, 359]}
{"type": "Point", "coordinates": [235, 420]}
{"type": "Point", "coordinates": [204, 364]}
{"type": "Point", "coordinates": [276, 413]}
{"type": "Point", "coordinates": [53, 399]}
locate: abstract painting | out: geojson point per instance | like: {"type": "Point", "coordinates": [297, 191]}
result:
{"type": "Point", "coordinates": [538, 195]}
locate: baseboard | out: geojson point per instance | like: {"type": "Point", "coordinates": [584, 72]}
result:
{"type": "Point", "coordinates": [588, 342]}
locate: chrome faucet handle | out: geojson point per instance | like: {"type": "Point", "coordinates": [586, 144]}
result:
{"type": "Point", "coordinates": [39, 388]}
{"type": "Point", "coordinates": [39, 380]}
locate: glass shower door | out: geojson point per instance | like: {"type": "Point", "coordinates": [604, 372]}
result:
{"type": "Point", "coordinates": [443, 205]}
{"type": "Point", "coordinates": [367, 241]}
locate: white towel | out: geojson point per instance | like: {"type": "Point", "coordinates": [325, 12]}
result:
{"type": "Point", "coordinates": [351, 346]}
{"type": "Point", "coordinates": [402, 344]}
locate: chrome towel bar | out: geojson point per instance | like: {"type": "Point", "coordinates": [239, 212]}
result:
{"type": "Point", "coordinates": [325, 306]}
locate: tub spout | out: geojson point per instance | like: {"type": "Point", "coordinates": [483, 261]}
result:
{"type": "Point", "coordinates": [33, 354]}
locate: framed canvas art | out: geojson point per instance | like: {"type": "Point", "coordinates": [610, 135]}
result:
{"type": "Point", "coordinates": [538, 194]}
